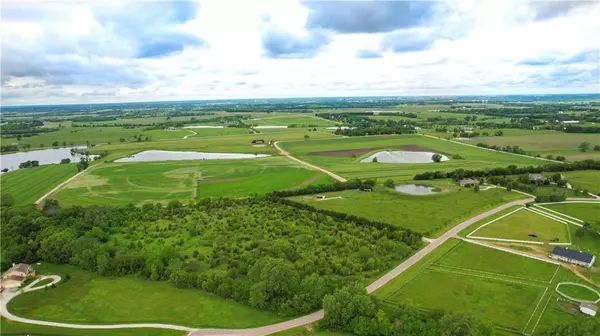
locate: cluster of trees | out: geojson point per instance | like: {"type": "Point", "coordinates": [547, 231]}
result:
{"type": "Point", "coordinates": [509, 149]}
{"type": "Point", "coordinates": [510, 170]}
{"type": "Point", "coordinates": [29, 164]}
{"type": "Point", "coordinates": [580, 326]}
{"type": "Point", "coordinates": [257, 251]}
{"type": "Point", "coordinates": [585, 146]}
{"type": "Point", "coordinates": [24, 128]}
{"type": "Point", "coordinates": [323, 188]}
{"type": "Point", "coordinates": [9, 148]}
{"type": "Point", "coordinates": [582, 129]}
{"type": "Point", "coordinates": [351, 309]}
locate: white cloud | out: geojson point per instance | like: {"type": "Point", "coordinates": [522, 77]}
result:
{"type": "Point", "coordinates": [77, 52]}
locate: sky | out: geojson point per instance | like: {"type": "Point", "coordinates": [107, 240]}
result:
{"type": "Point", "coordinates": [55, 52]}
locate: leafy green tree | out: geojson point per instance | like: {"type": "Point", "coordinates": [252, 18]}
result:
{"type": "Point", "coordinates": [389, 183]}
{"type": "Point", "coordinates": [584, 146]}
{"type": "Point", "coordinates": [375, 160]}
{"type": "Point", "coordinates": [83, 164]}
{"type": "Point", "coordinates": [463, 325]}
{"type": "Point", "coordinates": [436, 157]}
{"type": "Point", "coordinates": [56, 248]}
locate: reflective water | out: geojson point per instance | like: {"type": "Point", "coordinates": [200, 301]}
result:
{"type": "Point", "coordinates": [416, 189]}
{"type": "Point", "coordinates": [403, 157]}
{"type": "Point", "coordinates": [44, 156]}
{"type": "Point", "coordinates": [204, 126]}
{"type": "Point", "coordinates": [158, 155]}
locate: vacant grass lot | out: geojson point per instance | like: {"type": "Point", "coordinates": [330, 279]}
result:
{"type": "Point", "coordinates": [18, 328]}
{"type": "Point", "coordinates": [27, 185]}
{"type": "Point", "coordinates": [123, 183]}
{"type": "Point", "coordinates": [587, 179]}
{"type": "Point", "coordinates": [520, 224]}
{"type": "Point", "coordinates": [207, 132]}
{"type": "Point", "coordinates": [589, 212]}
{"type": "Point", "coordinates": [430, 215]}
{"type": "Point", "coordinates": [91, 299]}
{"type": "Point", "coordinates": [287, 119]}
{"type": "Point", "coordinates": [348, 166]}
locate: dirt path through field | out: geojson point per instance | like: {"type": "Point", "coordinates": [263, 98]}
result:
{"type": "Point", "coordinates": [287, 155]}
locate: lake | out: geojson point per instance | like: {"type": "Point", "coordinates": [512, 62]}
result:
{"type": "Point", "coordinates": [416, 189]}
{"type": "Point", "coordinates": [44, 156]}
{"type": "Point", "coordinates": [159, 155]}
{"type": "Point", "coordinates": [403, 157]}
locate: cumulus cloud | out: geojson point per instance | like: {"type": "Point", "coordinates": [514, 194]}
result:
{"type": "Point", "coordinates": [282, 44]}
{"type": "Point", "coordinates": [366, 53]}
{"type": "Point", "coordinates": [545, 10]}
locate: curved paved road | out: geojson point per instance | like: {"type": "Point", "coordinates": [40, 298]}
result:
{"type": "Point", "coordinates": [283, 325]}
{"type": "Point", "coordinates": [287, 155]}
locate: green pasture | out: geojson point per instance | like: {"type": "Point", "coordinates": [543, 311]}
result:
{"type": "Point", "coordinates": [589, 212]}
{"type": "Point", "coordinates": [17, 328]}
{"type": "Point", "coordinates": [348, 166]}
{"type": "Point", "coordinates": [585, 179]}
{"type": "Point", "coordinates": [477, 224]}
{"type": "Point", "coordinates": [123, 183]}
{"type": "Point", "coordinates": [241, 143]}
{"type": "Point", "coordinates": [520, 224]}
{"type": "Point", "coordinates": [90, 299]}
{"type": "Point", "coordinates": [578, 292]}
{"type": "Point", "coordinates": [588, 242]}
{"type": "Point", "coordinates": [29, 184]}
{"type": "Point", "coordinates": [207, 132]}
{"type": "Point", "coordinates": [542, 140]}
{"type": "Point", "coordinates": [287, 119]}
{"type": "Point", "coordinates": [430, 215]}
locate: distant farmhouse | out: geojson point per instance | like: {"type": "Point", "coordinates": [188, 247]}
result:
{"type": "Point", "coordinates": [573, 257]}
{"type": "Point", "coordinates": [258, 142]}
{"type": "Point", "coordinates": [14, 277]}
{"type": "Point", "coordinates": [588, 308]}
{"type": "Point", "coordinates": [468, 182]}
{"type": "Point", "coordinates": [537, 178]}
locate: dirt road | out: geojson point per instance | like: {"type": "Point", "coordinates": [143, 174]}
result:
{"type": "Point", "coordinates": [311, 166]}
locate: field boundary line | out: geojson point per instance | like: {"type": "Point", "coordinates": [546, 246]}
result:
{"type": "Point", "coordinates": [442, 270]}
{"type": "Point", "coordinates": [555, 273]}
{"type": "Point", "coordinates": [557, 212]}
{"type": "Point", "coordinates": [493, 220]}
{"type": "Point", "coordinates": [571, 201]}
{"type": "Point", "coordinates": [541, 315]}
{"type": "Point", "coordinates": [580, 285]}
{"type": "Point", "coordinates": [508, 240]}
{"type": "Point", "coordinates": [490, 273]}
{"type": "Point", "coordinates": [512, 251]}
{"type": "Point", "coordinates": [536, 308]}
{"type": "Point", "coordinates": [553, 217]}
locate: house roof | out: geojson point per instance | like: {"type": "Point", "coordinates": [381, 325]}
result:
{"type": "Point", "coordinates": [536, 177]}
{"type": "Point", "coordinates": [589, 306]}
{"type": "Point", "coordinates": [572, 254]}
{"type": "Point", "coordinates": [21, 268]}
{"type": "Point", "coordinates": [14, 277]}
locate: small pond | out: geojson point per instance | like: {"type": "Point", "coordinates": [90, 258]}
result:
{"type": "Point", "coordinates": [268, 126]}
{"type": "Point", "coordinates": [44, 156]}
{"type": "Point", "coordinates": [158, 155]}
{"type": "Point", "coordinates": [403, 157]}
{"type": "Point", "coordinates": [204, 126]}
{"type": "Point", "coordinates": [416, 189]}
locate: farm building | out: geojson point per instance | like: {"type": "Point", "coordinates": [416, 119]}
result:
{"type": "Point", "coordinates": [588, 308]}
{"type": "Point", "coordinates": [572, 256]}
{"type": "Point", "coordinates": [468, 182]}
{"type": "Point", "coordinates": [258, 142]}
{"type": "Point", "coordinates": [537, 178]}
{"type": "Point", "coordinates": [16, 275]}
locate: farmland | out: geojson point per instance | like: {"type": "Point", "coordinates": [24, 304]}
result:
{"type": "Point", "coordinates": [589, 212]}
{"type": "Point", "coordinates": [288, 119]}
{"type": "Point", "coordinates": [27, 185]}
{"type": "Point", "coordinates": [150, 182]}
{"type": "Point", "coordinates": [430, 214]}
{"type": "Point", "coordinates": [323, 153]}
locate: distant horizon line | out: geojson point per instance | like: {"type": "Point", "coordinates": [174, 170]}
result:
{"type": "Point", "coordinates": [303, 98]}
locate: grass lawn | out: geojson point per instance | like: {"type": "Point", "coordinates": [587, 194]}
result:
{"type": "Point", "coordinates": [336, 155]}
{"type": "Point", "coordinates": [586, 179]}
{"type": "Point", "coordinates": [578, 292]}
{"type": "Point", "coordinates": [91, 299]}
{"type": "Point", "coordinates": [309, 331]}
{"type": "Point", "coordinates": [503, 303]}
{"type": "Point", "coordinates": [585, 211]}
{"type": "Point", "coordinates": [29, 184]}
{"type": "Point", "coordinates": [431, 214]}
{"type": "Point", "coordinates": [541, 141]}
{"type": "Point", "coordinates": [287, 119]}
{"type": "Point", "coordinates": [520, 224]}
{"type": "Point", "coordinates": [43, 282]}
{"type": "Point", "coordinates": [476, 257]}
{"type": "Point", "coordinates": [18, 328]}
{"type": "Point", "coordinates": [123, 183]}
{"type": "Point", "coordinates": [206, 132]}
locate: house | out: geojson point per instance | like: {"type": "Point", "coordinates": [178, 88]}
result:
{"type": "Point", "coordinates": [588, 308]}
{"type": "Point", "coordinates": [537, 178]}
{"type": "Point", "coordinates": [572, 256]}
{"type": "Point", "coordinates": [15, 275]}
{"type": "Point", "coordinates": [258, 142]}
{"type": "Point", "coordinates": [321, 197]}
{"type": "Point", "coordinates": [468, 182]}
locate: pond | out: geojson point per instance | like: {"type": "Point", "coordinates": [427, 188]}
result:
{"type": "Point", "coordinates": [204, 126]}
{"type": "Point", "coordinates": [403, 157]}
{"type": "Point", "coordinates": [269, 126]}
{"type": "Point", "coordinates": [44, 156]}
{"type": "Point", "coordinates": [416, 189]}
{"type": "Point", "coordinates": [159, 155]}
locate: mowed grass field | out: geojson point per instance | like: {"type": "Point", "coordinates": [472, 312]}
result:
{"type": "Point", "coordinates": [460, 277]}
{"type": "Point", "coordinates": [337, 156]}
{"type": "Point", "coordinates": [207, 132]}
{"type": "Point", "coordinates": [123, 183]}
{"type": "Point", "coordinates": [91, 299]}
{"type": "Point", "coordinates": [287, 119]}
{"type": "Point", "coordinates": [18, 328]}
{"type": "Point", "coordinates": [430, 215]}
{"type": "Point", "coordinates": [589, 212]}
{"type": "Point", "coordinates": [523, 222]}
{"type": "Point", "coordinates": [586, 179]}
{"type": "Point", "coordinates": [27, 185]}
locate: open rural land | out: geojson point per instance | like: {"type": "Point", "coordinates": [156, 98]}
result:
{"type": "Point", "coordinates": [300, 168]}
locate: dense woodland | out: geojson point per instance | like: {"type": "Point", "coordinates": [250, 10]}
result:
{"type": "Point", "coordinates": [256, 251]}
